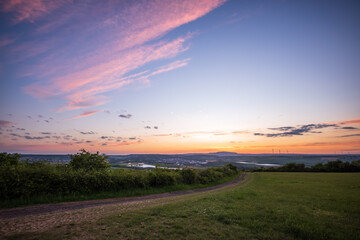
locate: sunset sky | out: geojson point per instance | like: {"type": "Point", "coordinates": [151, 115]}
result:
{"type": "Point", "coordinates": [180, 76]}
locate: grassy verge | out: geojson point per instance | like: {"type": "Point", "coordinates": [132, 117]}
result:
{"type": "Point", "coordinates": [103, 195]}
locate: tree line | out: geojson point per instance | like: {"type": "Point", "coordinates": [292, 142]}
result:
{"type": "Point", "coordinates": [88, 173]}
{"type": "Point", "coordinates": [331, 166]}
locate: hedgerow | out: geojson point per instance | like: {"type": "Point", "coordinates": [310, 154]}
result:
{"type": "Point", "coordinates": [90, 173]}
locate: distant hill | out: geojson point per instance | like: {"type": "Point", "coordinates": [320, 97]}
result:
{"type": "Point", "coordinates": [225, 154]}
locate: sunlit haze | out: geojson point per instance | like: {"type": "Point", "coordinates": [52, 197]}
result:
{"type": "Point", "coordinates": [180, 76]}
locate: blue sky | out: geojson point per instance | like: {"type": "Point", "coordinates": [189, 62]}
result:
{"type": "Point", "coordinates": [191, 77]}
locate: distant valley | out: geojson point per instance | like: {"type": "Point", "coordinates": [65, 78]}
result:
{"type": "Point", "coordinates": [203, 160]}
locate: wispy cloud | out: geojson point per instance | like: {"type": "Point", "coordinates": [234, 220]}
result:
{"type": "Point", "coordinates": [289, 131]}
{"type": "Point", "coordinates": [351, 135]}
{"type": "Point", "coordinates": [14, 135]}
{"type": "Point", "coordinates": [163, 135]}
{"type": "Point", "coordinates": [353, 121]}
{"type": "Point", "coordinates": [241, 132]}
{"type": "Point", "coordinates": [349, 128]}
{"type": "Point", "coordinates": [82, 88]}
{"type": "Point", "coordinates": [87, 133]}
{"type": "Point", "coordinates": [313, 144]}
{"type": "Point", "coordinates": [84, 114]}
{"type": "Point", "coordinates": [27, 137]}
{"type": "Point", "coordinates": [298, 130]}
{"type": "Point", "coordinates": [25, 10]}
{"type": "Point", "coordinates": [125, 116]}
{"type": "Point", "coordinates": [6, 40]}
{"type": "Point", "coordinates": [35, 138]}
{"type": "Point", "coordinates": [4, 123]}
{"type": "Point", "coordinates": [91, 101]}
{"type": "Point", "coordinates": [171, 66]}
{"type": "Point", "coordinates": [99, 63]}
{"type": "Point", "coordinates": [194, 133]}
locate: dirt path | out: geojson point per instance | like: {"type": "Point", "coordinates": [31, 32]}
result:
{"type": "Point", "coordinates": [67, 206]}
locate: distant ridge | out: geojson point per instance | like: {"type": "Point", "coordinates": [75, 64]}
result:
{"type": "Point", "coordinates": [224, 154]}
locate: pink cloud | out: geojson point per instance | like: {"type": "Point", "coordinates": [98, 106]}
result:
{"type": "Point", "coordinates": [4, 123]}
{"type": "Point", "coordinates": [6, 40]}
{"type": "Point", "coordinates": [81, 86]}
{"type": "Point", "coordinates": [117, 39]}
{"type": "Point", "coordinates": [83, 103]}
{"type": "Point", "coordinates": [30, 49]}
{"type": "Point", "coordinates": [164, 16]}
{"type": "Point", "coordinates": [26, 10]}
{"type": "Point", "coordinates": [144, 78]}
{"type": "Point", "coordinates": [172, 66]}
{"type": "Point", "coordinates": [84, 114]}
{"type": "Point", "coordinates": [353, 121]}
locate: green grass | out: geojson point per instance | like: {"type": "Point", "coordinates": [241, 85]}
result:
{"type": "Point", "coordinates": [104, 195]}
{"type": "Point", "coordinates": [266, 206]}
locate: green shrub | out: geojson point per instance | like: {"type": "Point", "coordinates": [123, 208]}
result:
{"type": "Point", "coordinates": [189, 176]}
{"type": "Point", "coordinates": [89, 162]}
{"type": "Point", "coordinates": [9, 159]}
{"type": "Point", "coordinates": [161, 177]}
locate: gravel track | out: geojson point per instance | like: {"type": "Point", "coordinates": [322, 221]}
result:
{"type": "Point", "coordinates": [66, 206]}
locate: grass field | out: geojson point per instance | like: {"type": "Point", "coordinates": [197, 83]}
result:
{"type": "Point", "coordinates": [266, 206]}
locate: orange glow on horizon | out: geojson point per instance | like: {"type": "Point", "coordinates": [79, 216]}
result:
{"type": "Point", "coordinates": [331, 140]}
{"type": "Point", "coordinates": [162, 148]}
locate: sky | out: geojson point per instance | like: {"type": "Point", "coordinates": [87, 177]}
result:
{"type": "Point", "coordinates": [180, 76]}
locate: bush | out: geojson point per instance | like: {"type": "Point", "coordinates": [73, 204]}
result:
{"type": "Point", "coordinates": [9, 159]}
{"type": "Point", "coordinates": [89, 162]}
{"type": "Point", "coordinates": [161, 177]}
{"type": "Point", "coordinates": [189, 176]}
